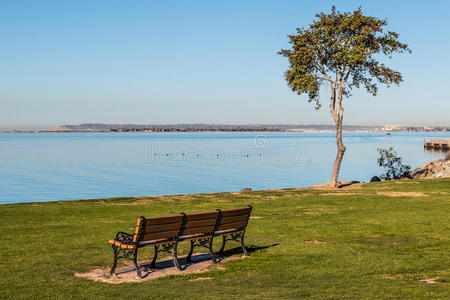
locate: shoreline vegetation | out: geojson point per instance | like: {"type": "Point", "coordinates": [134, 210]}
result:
{"type": "Point", "coordinates": [98, 127]}
{"type": "Point", "coordinates": [385, 239]}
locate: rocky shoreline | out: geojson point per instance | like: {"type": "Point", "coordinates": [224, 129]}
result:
{"type": "Point", "coordinates": [433, 169]}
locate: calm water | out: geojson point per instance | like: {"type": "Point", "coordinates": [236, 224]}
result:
{"type": "Point", "coordinates": [65, 166]}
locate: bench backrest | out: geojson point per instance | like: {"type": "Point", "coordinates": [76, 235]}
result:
{"type": "Point", "coordinates": [171, 227]}
{"type": "Point", "coordinates": [200, 223]}
{"type": "Point", "coordinates": [158, 228]}
{"type": "Point", "coordinates": [236, 218]}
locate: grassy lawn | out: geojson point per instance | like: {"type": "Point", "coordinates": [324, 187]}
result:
{"type": "Point", "coordinates": [373, 241]}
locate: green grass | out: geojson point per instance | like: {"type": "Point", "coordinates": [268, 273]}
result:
{"type": "Point", "coordinates": [374, 245]}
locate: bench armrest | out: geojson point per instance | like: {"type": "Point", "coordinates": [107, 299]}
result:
{"type": "Point", "coordinates": [124, 237]}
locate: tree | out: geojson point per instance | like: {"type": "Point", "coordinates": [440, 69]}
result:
{"type": "Point", "coordinates": [392, 164]}
{"type": "Point", "coordinates": [341, 48]}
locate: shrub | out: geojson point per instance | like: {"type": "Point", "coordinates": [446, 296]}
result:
{"type": "Point", "coordinates": [391, 163]}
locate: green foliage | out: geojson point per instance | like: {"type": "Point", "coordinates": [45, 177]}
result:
{"type": "Point", "coordinates": [392, 164]}
{"type": "Point", "coordinates": [315, 243]}
{"type": "Point", "coordinates": [341, 48]}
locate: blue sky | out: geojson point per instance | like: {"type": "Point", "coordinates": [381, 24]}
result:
{"type": "Point", "coordinates": [156, 62]}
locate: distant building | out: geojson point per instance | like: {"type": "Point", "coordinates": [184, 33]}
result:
{"type": "Point", "coordinates": [393, 127]}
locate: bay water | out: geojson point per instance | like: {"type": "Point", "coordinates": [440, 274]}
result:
{"type": "Point", "coordinates": [68, 166]}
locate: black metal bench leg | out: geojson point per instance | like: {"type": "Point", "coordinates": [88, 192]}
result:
{"type": "Point", "coordinates": [116, 253]}
{"type": "Point", "coordinates": [213, 257]}
{"type": "Point", "coordinates": [138, 270]}
{"type": "Point", "coordinates": [189, 256]}
{"type": "Point", "coordinates": [153, 263]}
{"type": "Point", "coordinates": [242, 245]}
{"type": "Point", "coordinates": [175, 257]}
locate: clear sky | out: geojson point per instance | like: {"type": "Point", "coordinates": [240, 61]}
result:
{"type": "Point", "coordinates": [156, 62]}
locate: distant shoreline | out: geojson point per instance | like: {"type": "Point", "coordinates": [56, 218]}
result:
{"type": "Point", "coordinates": [168, 131]}
{"type": "Point", "coordinates": [210, 131]}
{"type": "Point", "coordinates": [198, 131]}
{"type": "Point", "coordinates": [194, 127]}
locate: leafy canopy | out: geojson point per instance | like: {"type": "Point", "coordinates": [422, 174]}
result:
{"type": "Point", "coordinates": [341, 48]}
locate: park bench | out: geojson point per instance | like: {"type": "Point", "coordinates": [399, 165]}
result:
{"type": "Point", "coordinates": [165, 233]}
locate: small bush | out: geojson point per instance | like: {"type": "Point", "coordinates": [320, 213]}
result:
{"type": "Point", "coordinates": [391, 163]}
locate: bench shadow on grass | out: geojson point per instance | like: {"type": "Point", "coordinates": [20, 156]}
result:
{"type": "Point", "coordinates": [196, 260]}
{"type": "Point", "coordinates": [238, 250]}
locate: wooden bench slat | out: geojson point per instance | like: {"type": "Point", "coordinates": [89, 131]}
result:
{"type": "Point", "coordinates": [121, 245]}
{"type": "Point", "coordinates": [197, 230]}
{"type": "Point", "coordinates": [163, 220]}
{"type": "Point", "coordinates": [200, 223]}
{"type": "Point", "coordinates": [235, 225]}
{"type": "Point", "coordinates": [235, 212]}
{"type": "Point", "coordinates": [159, 235]}
{"type": "Point", "coordinates": [241, 218]}
{"type": "Point", "coordinates": [163, 227]}
{"type": "Point", "coordinates": [201, 216]}
{"type": "Point", "coordinates": [138, 230]}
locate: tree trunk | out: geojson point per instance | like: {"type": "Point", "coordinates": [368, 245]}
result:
{"type": "Point", "coordinates": [340, 154]}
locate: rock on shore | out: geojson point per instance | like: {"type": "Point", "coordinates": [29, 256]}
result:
{"type": "Point", "coordinates": [432, 169]}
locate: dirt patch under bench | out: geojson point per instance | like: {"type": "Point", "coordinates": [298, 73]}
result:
{"type": "Point", "coordinates": [200, 263]}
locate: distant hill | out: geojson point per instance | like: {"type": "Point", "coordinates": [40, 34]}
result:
{"type": "Point", "coordinates": [208, 127]}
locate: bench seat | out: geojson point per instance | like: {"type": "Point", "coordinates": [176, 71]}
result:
{"type": "Point", "coordinates": [141, 244]}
